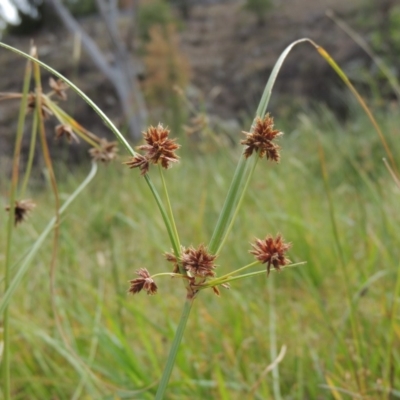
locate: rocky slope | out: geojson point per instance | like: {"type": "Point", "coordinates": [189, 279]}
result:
{"type": "Point", "coordinates": [231, 56]}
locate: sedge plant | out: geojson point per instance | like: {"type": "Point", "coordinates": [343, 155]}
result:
{"type": "Point", "coordinates": [40, 106]}
{"type": "Point", "coordinates": [195, 265]}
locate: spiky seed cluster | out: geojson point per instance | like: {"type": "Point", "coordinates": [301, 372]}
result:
{"type": "Point", "coordinates": [260, 139]}
{"type": "Point", "coordinates": [21, 210]}
{"type": "Point", "coordinates": [66, 130]}
{"type": "Point", "coordinates": [145, 281]}
{"type": "Point", "coordinates": [59, 87]}
{"type": "Point", "coordinates": [198, 262]}
{"type": "Point", "coordinates": [106, 151]}
{"type": "Point", "coordinates": [140, 162]}
{"type": "Point", "coordinates": [271, 251]}
{"type": "Point", "coordinates": [159, 149]}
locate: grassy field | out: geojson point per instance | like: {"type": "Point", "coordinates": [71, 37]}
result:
{"type": "Point", "coordinates": [337, 315]}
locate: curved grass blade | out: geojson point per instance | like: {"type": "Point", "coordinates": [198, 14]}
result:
{"type": "Point", "coordinates": [242, 175]}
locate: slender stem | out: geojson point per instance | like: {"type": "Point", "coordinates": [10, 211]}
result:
{"type": "Point", "coordinates": [223, 277]}
{"type": "Point", "coordinates": [171, 215]}
{"type": "Point", "coordinates": [164, 215]}
{"type": "Point", "coordinates": [171, 274]}
{"type": "Point", "coordinates": [30, 156]}
{"type": "Point", "coordinates": [272, 339]}
{"type": "Point", "coordinates": [174, 349]}
{"type": "Point", "coordinates": [235, 278]}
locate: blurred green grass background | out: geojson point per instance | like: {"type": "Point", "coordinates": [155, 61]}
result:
{"type": "Point", "coordinates": [114, 228]}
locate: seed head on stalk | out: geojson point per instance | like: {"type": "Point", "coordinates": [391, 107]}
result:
{"type": "Point", "coordinates": [159, 149]}
{"type": "Point", "coordinates": [271, 251]}
{"type": "Point", "coordinates": [260, 139]}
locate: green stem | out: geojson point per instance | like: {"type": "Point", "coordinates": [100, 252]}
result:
{"type": "Point", "coordinates": [235, 278]}
{"type": "Point", "coordinates": [171, 215]}
{"type": "Point", "coordinates": [167, 222]}
{"type": "Point", "coordinates": [30, 156]}
{"type": "Point", "coordinates": [223, 277]}
{"type": "Point", "coordinates": [174, 349]}
{"type": "Point", "coordinates": [272, 339]}
{"type": "Point", "coordinates": [171, 274]}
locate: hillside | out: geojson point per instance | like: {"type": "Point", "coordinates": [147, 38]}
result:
{"type": "Point", "coordinates": [230, 54]}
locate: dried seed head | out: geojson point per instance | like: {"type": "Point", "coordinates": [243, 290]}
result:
{"type": "Point", "coordinates": [198, 262]}
{"type": "Point", "coordinates": [139, 161]}
{"type": "Point", "coordinates": [145, 281]}
{"type": "Point", "coordinates": [31, 105]}
{"type": "Point", "coordinates": [159, 148]}
{"type": "Point", "coordinates": [106, 151]}
{"type": "Point", "coordinates": [271, 251]}
{"type": "Point", "coordinates": [59, 87]}
{"type": "Point", "coordinates": [260, 139]}
{"type": "Point", "coordinates": [66, 130]}
{"type": "Point", "coordinates": [21, 210]}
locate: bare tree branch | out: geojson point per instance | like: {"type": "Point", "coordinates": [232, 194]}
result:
{"type": "Point", "coordinates": [91, 47]}
{"type": "Point", "coordinates": [123, 74]}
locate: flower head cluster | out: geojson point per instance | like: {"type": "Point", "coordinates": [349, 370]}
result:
{"type": "Point", "coordinates": [66, 130]}
{"type": "Point", "coordinates": [21, 210]}
{"type": "Point", "coordinates": [145, 281]}
{"type": "Point", "coordinates": [159, 149]}
{"type": "Point", "coordinates": [260, 139]}
{"type": "Point", "coordinates": [198, 263]}
{"type": "Point", "coordinates": [271, 251]}
{"type": "Point", "coordinates": [59, 87]}
{"type": "Point", "coordinates": [106, 151]}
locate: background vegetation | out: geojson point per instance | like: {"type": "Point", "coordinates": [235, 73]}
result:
{"type": "Point", "coordinates": [351, 250]}
{"type": "Point", "coordinates": [113, 230]}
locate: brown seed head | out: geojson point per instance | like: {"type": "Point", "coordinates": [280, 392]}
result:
{"type": "Point", "coordinates": [159, 148]}
{"type": "Point", "coordinates": [139, 161]}
{"type": "Point", "coordinates": [106, 151]}
{"type": "Point", "coordinates": [260, 139]}
{"type": "Point", "coordinates": [145, 281]}
{"type": "Point", "coordinates": [271, 251]}
{"type": "Point", "coordinates": [198, 262]}
{"type": "Point", "coordinates": [59, 87]}
{"type": "Point", "coordinates": [21, 210]}
{"type": "Point", "coordinates": [66, 130]}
